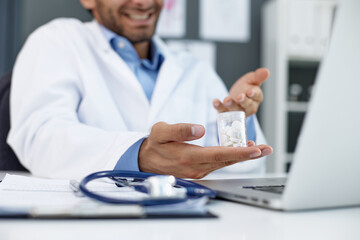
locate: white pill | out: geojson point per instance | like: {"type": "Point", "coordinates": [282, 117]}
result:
{"type": "Point", "coordinates": [229, 132]}
{"type": "Point", "coordinates": [224, 138]}
{"type": "Point", "coordinates": [236, 134]}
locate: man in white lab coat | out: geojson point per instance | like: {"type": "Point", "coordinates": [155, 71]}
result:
{"type": "Point", "coordinates": [108, 94]}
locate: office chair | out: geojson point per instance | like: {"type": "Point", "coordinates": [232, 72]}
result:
{"type": "Point", "coordinates": [8, 159]}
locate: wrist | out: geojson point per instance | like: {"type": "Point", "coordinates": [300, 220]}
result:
{"type": "Point", "coordinates": [143, 151]}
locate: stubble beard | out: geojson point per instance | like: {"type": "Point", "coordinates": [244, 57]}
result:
{"type": "Point", "coordinates": [109, 20]}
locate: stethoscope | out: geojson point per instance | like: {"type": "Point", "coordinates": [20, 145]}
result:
{"type": "Point", "coordinates": [161, 189]}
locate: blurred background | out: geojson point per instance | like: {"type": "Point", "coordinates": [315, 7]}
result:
{"type": "Point", "coordinates": [290, 37]}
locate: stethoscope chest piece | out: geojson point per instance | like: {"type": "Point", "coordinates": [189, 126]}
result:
{"type": "Point", "coordinates": [162, 186]}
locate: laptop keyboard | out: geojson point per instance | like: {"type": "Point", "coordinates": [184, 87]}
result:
{"type": "Point", "coordinates": [272, 188]}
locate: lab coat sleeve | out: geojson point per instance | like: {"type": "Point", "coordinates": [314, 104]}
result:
{"type": "Point", "coordinates": [46, 133]}
{"type": "Point", "coordinates": [218, 90]}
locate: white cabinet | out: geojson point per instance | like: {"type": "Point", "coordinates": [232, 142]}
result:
{"type": "Point", "coordinates": [295, 36]}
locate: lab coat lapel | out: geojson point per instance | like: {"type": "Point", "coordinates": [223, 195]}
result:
{"type": "Point", "coordinates": [168, 77]}
{"type": "Point", "coordinates": [124, 73]}
{"type": "Point", "coordinates": [133, 104]}
{"type": "Point", "coordinates": [118, 64]}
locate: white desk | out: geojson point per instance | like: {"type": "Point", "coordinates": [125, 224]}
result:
{"type": "Point", "coordinates": [235, 221]}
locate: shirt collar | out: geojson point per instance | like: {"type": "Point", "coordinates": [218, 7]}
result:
{"type": "Point", "coordinates": [127, 51]}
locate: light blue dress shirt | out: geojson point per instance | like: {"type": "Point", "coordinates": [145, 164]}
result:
{"type": "Point", "coordinates": [146, 71]}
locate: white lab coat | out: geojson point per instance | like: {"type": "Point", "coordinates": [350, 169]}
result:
{"type": "Point", "coordinates": [76, 107]}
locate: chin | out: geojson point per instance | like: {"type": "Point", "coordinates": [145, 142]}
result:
{"type": "Point", "coordinates": [139, 38]}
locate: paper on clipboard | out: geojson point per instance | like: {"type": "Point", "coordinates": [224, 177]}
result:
{"type": "Point", "coordinates": [53, 198]}
{"type": "Point", "coordinates": [172, 19]}
{"type": "Point", "coordinates": [225, 20]}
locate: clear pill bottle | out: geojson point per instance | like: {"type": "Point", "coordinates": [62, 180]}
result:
{"type": "Point", "coordinates": [232, 129]}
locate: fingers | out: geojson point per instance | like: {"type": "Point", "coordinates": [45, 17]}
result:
{"type": "Point", "coordinates": [251, 143]}
{"type": "Point", "coordinates": [228, 105]}
{"type": "Point", "coordinates": [213, 158]}
{"type": "Point", "coordinates": [225, 154]}
{"type": "Point", "coordinates": [241, 103]}
{"type": "Point", "coordinates": [219, 106]}
{"type": "Point", "coordinates": [265, 150]}
{"type": "Point", "coordinates": [254, 93]}
{"type": "Point", "coordinates": [163, 132]}
{"type": "Point", "coordinates": [231, 105]}
{"type": "Point", "coordinates": [244, 101]}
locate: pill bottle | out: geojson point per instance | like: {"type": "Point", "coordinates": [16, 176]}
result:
{"type": "Point", "coordinates": [232, 129]}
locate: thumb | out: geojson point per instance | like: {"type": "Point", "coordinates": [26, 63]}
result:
{"type": "Point", "coordinates": [258, 77]}
{"type": "Point", "coordinates": [261, 74]}
{"type": "Point", "coordinates": [163, 132]}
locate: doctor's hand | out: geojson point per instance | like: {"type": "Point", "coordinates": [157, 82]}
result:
{"type": "Point", "coordinates": [245, 95]}
{"type": "Point", "coordinates": [165, 152]}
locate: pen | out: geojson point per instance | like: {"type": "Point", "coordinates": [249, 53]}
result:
{"type": "Point", "coordinates": [74, 185]}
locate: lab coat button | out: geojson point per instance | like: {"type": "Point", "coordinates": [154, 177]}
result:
{"type": "Point", "coordinates": [121, 44]}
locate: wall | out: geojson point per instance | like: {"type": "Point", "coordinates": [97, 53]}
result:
{"type": "Point", "coordinates": [38, 12]}
{"type": "Point", "coordinates": [18, 18]}
{"type": "Point", "coordinates": [10, 19]}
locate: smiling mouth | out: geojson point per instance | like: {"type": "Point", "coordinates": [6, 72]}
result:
{"type": "Point", "coordinates": [139, 16]}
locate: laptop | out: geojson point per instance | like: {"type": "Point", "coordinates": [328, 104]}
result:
{"type": "Point", "coordinates": [326, 166]}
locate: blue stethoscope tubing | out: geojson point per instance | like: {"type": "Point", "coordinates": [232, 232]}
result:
{"type": "Point", "coordinates": [193, 189]}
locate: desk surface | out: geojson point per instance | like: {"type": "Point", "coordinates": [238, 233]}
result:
{"type": "Point", "coordinates": [236, 221]}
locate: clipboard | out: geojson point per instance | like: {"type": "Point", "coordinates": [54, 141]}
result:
{"type": "Point", "coordinates": [102, 212]}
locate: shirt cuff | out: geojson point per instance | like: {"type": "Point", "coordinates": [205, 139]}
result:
{"type": "Point", "coordinates": [250, 128]}
{"type": "Point", "coordinates": [129, 160]}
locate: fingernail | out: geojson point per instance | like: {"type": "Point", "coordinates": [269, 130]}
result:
{"type": "Point", "coordinates": [197, 130]}
{"type": "Point", "coordinates": [251, 94]}
{"type": "Point", "coordinates": [216, 104]}
{"type": "Point", "coordinates": [228, 103]}
{"type": "Point", "coordinates": [255, 154]}
{"type": "Point", "coordinates": [242, 98]}
{"type": "Point", "coordinates": [266, 152]}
